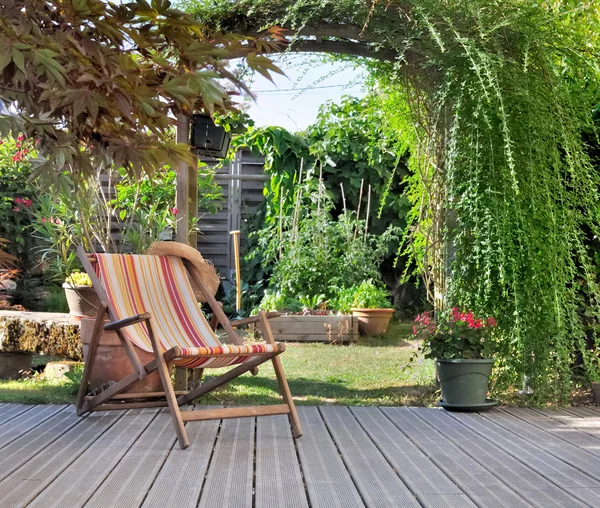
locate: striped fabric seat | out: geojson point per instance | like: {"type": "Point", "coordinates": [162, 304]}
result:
{"type": "Point", "coordinates": [160, 286]}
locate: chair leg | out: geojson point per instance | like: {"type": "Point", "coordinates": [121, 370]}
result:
{"type": "Point", "coordinates": [287, 397]}
{"type": "Point", "coordinates": [165, 378]}
{"type": "Point", "coordinates": [281, 379]}
{"type": "Point", "coordinates": [89, 365]}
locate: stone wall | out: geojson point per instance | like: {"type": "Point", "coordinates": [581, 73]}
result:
{"type": "Point", "coordinates": [40, 333]}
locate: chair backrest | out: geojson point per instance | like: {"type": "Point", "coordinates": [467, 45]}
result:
{"type": "Point", "coordinates": [159, 285]}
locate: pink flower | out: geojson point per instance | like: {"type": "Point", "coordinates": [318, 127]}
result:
{"type": "Point", "coordinates": [43, 219]}
{"type": "Point", "coordinates": [26, 202]}
{"type": "Point", "coordinates": [414, 330]}
{"type": "Point", "coordinates": [20, 137]}
{"type": "Point", "coordinates": [175, 210]}
{"type": "Point", "coordinates": [16, 209]}
{"type": "Point", "coordinates": [491, 322]}
{"type": "Point", "coordinates": [57, 221]}
{"type": "Point", "coordinates": [17, 200]}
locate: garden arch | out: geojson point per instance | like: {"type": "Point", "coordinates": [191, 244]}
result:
{"type": "Point", "coordinates": [494, 99]}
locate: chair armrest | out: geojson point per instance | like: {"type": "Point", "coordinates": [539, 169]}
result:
{"type": "Point", "coordinates": [128, 321]}
{"type": "Point", "coordinates": [253, 319]}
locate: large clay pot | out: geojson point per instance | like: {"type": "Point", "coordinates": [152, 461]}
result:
{"type": "Point", "coordinates": [373, 321]}
{"type": "Point", "coordinates": [82, 300]}
{"type": "Point", "coordinates": [596, 390]}
{"type": "Point", "coordinates": [112, 363]}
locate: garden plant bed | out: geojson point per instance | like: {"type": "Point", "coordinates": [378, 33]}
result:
{"type": "Point", "coordinates": [311, 328]}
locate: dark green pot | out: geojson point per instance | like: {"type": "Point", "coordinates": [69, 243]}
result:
{"type": "Point", "coordinates": [464, 382]}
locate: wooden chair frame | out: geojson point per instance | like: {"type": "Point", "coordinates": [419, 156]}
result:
{"type": "Point", "coordinates": [114, 398]}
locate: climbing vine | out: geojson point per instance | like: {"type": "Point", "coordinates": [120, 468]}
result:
{"type": "Point", "coordinates": [493, 98]}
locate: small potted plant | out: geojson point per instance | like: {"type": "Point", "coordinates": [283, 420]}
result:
{"type": "Point", "coordinates": [462, 346]}
{"type": "Point", "coordinates": [81, 297]}
{"type": "Point", "coordinates": [372, 308]}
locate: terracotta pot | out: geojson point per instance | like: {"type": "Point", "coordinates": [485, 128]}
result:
{"type": "Point", "coordinates": [373, 321]}
{"type": "Point", "coordinates": [596, 390]}
{"type": "Point", "coordinates": [112, 363]}
{"type": "Point", "coordinates": [82, 300]}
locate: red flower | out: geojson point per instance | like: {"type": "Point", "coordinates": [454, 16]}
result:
{"type": "Point", "coordinates": [414, 330]}
{"type": "Point", "coordinates": [491, 322]}
{"type": "Point", "coordinates": [43, 219]}
{"type": "Point", "coordinates": [20, 137]}
{"type": "Point", "coordinates": [26, 202]}
{"type": "Point", "coordinates": [17, 200]}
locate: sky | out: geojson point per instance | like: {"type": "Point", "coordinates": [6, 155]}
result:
{"type": "Point", "coordinates": [293, 101]}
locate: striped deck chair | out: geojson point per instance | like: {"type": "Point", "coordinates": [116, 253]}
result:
{"type": "Point", "coordinates": [151, 304]}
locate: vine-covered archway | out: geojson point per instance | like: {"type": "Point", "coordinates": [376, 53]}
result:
{"type": "Point", "coordinates": [496, 100]}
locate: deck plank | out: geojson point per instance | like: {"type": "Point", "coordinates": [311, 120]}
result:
{"type": "Point", "coordinates": [327, 480]}
{"type": "Point", "coordinates": [565, 476]}
{"type": "Point", "coordinates": [229, 479]}
{"type": "Point", "coordinates": [557, 430]}
{"type": "Point", "coordinates": [10, 411]}
{"type": "Point", "coordinates": [15, 454]}
{"type": "Point", "coordinates": [484, 488]}
{"type": "Point", "coordinates": [278, 479]}
{"type": "Point", "coordinates": [375, 479]}
{"type": "Point", "coordinates": [15, 428]}
{"type": "Point", "coordinates": [555, 445]}
{"type": "Point", "coordinates": [130, 481]}
{"type": "Point", "coordinates": [347, 457]}
{"type": "Point", "coordinates": [78, 483]}
{"type": "Point", "coordinates": [37, 473]}
{"type": "Point", "coordinates": [180, 479]}
{"type": "Point", "coordinates": [425, 480]}
{"type": "Point", "coordinates": [523, 480]}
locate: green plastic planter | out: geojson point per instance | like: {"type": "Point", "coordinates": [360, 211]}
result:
{"type": "Point", "coordinates": [464, 382]}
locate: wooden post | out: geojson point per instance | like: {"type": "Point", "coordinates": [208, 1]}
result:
{"type": "Point", "coordinates": [238, 275]}
{"type": "Point", "coordinates": [182, 185]}
{"type": "Point", "coordinates": [187, 203]}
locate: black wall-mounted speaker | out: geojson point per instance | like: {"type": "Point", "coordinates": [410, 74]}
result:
{"type": "Point", "coordinates": [209, 139]}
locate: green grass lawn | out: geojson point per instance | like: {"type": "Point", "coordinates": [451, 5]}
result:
{"type": "Point", "coordinates": [373, 371]}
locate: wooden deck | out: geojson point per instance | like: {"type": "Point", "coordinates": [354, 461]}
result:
{"type": "Point", "coordinates": [348, 457]}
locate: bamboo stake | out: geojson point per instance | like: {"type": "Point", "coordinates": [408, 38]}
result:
{"type": "Point", "coordinates": [368, 210]}
{"type": "Point", "coordinates": [280, 223]}
{"type": "Point", "coordinates": [320, 187]}
{"type": "Point", "coordinates": [238, 282]}
{"type": "Point", "coordinates": [343, 197]}
{"type": "Point", "coordinates": [362, 181]}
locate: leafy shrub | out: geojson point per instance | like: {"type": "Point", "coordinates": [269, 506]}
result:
{"type": "Point", "coordinates": [370, 296]}
{"type": "Point", "coordinates": [16, 198]}
{"type": "Point", "coordinates": [318, 255]}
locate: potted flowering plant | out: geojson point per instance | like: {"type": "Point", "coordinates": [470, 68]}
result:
{"type": "Point", "coordinates": [81, 297]}
{"type": "Point", "coordinates": [462, 346]}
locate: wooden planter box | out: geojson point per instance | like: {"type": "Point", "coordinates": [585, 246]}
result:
{"type": "Point", "coordinates": [331, 329]}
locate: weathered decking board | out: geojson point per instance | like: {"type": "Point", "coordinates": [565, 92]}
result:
{"type": "Point", "coordinates": [348, 457]}
{"type": "Point", "coordinates": [531, 486]}
{"type": "Point", "coordinates": [327, 480]}
{"type": "Point", "coordinates": [278, 476]}
{"type": "Point", "coordinates": [230, 478]}
{"type": "Point", "coordinates": [13, 429]}
{"type": "Point", "coordinates": [10, 411]}
{"type": "Point", "coordinates": [429, 485]}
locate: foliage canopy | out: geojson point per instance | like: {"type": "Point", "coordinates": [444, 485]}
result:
{"type": "Point", "coordinates": [101, 83]}
{"type": "Point", "coordinates": [495, 100]}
